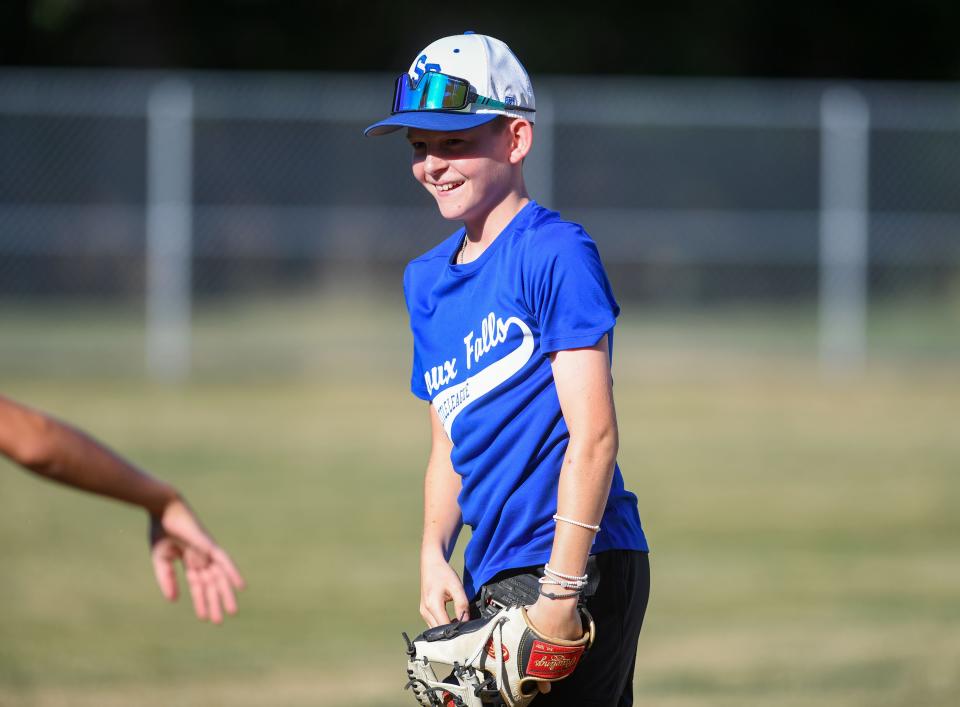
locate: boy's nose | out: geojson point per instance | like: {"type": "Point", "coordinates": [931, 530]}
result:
{"type": "Point", "coordinates": [433, 164]}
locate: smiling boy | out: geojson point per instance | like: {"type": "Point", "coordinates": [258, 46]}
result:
{"type": "Point", "coordinates": [512, 319]}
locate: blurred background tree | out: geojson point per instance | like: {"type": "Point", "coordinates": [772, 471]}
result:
{"type": "Point", "coordinates": [816, 39]}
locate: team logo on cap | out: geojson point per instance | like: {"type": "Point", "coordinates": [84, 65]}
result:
{"type": "Point", "coordinates": [421, 67]}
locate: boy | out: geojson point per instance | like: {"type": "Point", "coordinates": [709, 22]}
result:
{"type": "Point", "coordinates": [512, 318]}
{"type": "Point", "coordinates": [63, 454]}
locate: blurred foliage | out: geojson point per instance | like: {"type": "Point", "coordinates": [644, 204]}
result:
{"type": "Point", "coordinates": [731, 38]}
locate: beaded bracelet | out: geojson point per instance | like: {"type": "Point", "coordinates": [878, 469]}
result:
{"type": "Point", "coordinates": [574, 582]}
{"type": "Point", "coordinates": [594, 528]}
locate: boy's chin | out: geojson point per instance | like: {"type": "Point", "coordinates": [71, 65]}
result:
{"type": "Point", "coordinates": [452, 212]}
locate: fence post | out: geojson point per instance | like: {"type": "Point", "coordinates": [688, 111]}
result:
{"type": "Point", "coordinates": [844, 186]}
{"type": "Point", "coordinates": [169, 229]}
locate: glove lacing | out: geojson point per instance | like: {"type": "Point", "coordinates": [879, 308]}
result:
{"type": "Point", "coordinates": [495, 633]}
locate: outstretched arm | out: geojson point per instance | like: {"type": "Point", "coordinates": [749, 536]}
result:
{"type": "Point", "coordinates": [584, 386]}
{"type": "Point", "coordinates": [64, 454]}
{"type": "Point", "coordinates": [439, 583]}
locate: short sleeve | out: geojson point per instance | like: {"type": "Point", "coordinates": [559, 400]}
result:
{"type": "Point", "coordinates": [418, 384]}
{"type": "Point", "coordinates": [571, 295]}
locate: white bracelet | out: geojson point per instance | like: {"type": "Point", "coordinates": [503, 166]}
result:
{"type": "Point", "coordinates": [594, 528]}
{"type": "Point", "coordinates": [547, 569]}
{"type": "Point", "coordinates": [574, 582]}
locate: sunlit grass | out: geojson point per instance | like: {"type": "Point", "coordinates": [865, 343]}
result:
{"type": "Point", "coordinates": [804, 531]}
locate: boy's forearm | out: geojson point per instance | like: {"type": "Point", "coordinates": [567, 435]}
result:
{"type": "Point", "coordinates": [442, 520]}
{"type": "Point", "coordinates": [438, 542]}
{"type": "Point", "coordinates": [584, 387]}
{"type": "Point", "coordinates": [582, 496]}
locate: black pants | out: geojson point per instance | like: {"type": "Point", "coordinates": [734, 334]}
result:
{"type": "Point", "coordinates": [604, 677]}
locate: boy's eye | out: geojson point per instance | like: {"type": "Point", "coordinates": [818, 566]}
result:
{"type": "Point", "coordinates": [417, 145]}
{"type": "Point", "coordinates": [453, 142]}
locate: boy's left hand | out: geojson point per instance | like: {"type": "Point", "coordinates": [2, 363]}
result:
{"type": "Point", "coordinates": [557, 618]}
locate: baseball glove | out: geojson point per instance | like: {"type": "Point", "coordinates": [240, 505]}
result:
{"type": "Point", "coordinates": [490, 661]}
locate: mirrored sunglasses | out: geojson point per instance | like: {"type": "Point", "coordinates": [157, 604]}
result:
{"type": "Point", "coordinates": [436, 91]}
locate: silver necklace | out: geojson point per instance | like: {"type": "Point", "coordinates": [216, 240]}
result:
{"type": "Point", "coordinates": [463, 250]}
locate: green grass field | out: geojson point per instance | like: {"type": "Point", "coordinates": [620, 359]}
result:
{"type": "Point", "coordinates": [804, 531]}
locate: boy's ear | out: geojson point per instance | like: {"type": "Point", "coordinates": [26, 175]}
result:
{"type": "Point", "coordinates": [521, 139]}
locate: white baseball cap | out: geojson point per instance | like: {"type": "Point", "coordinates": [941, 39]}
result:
{"type": "Point", "coordinates": [470, 80]}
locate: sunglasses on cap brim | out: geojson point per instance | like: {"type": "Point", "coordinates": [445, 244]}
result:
{"type": "Point", "coordinates": [436, 91]}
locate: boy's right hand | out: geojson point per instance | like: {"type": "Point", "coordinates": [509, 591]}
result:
{"type": "Point", "coordinates": [439, 585]}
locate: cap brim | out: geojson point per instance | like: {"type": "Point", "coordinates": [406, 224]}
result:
{"type": "Point", "coordinates": [430, 120]}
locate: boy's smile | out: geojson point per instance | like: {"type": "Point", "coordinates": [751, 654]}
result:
{"type": "Point", "coordinates": [461, 169]}
{"type": "Point", "coordinates": [469, 172]}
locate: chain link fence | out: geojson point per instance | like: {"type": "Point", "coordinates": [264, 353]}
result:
{"type": "Point", "coordinates": [705, 197]}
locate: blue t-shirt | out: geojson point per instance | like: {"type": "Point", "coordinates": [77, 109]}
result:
{"type": "Point", "coordinates": [482, 333]}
